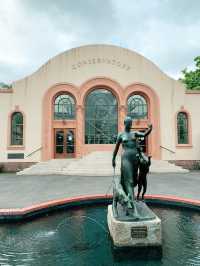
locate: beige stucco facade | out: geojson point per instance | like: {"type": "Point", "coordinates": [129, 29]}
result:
{"type": "Point", "coordinates": [80, 70]}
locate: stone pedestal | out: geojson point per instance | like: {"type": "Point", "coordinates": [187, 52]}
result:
{"type": "Point", "coordinates": [143, 232]}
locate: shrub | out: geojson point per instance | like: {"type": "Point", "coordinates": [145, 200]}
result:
{"type": "Point", "coordinates": [196, 165]}
{"type": "Point", "coordinates": [1, 168]}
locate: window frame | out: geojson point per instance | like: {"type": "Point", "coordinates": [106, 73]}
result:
{"type": "Point", "coordinates": [147, 105]}
{"type": "Point", "coordinates": [10, 145]}
{"type": "Point", "coordinates": [97, 138]}
{"type": "Point", "coordinates": [73, 106]}
{"type": "Point", "coordinates": [189, 129]}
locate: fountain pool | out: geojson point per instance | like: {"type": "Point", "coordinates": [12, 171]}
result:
{"type": "Point", "coordinates": [79, 236]}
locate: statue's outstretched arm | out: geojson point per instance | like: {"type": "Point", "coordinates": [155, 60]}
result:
{"type": "Point", "coordinates": [146, 133]}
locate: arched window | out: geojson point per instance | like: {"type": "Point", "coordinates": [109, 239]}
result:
{"type": "Point", "coordinates": [101, 120]}
{"type": "Point", "coordinates": [182, 128]}
{"type": "Point", "coordinates": [17, 125]}
{"type": "Point", "coordinates": [137, 107]}
{"type": "Point", "coordinates": [64, 107]}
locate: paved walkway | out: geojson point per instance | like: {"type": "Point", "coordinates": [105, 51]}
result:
{"type": "Point", "coordinates": [23, 191]}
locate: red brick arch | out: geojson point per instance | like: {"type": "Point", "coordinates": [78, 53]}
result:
{"type": "Point", "coordinates": [108, 83]}
{"type": "Point", "coordinates": [153, 114]}
{"type": "Point", "coordinates": [117, 90]}
{"type": "Point", "coordinates": [80, 94]}
{"type": "Point", "coordinates": [47, 116]}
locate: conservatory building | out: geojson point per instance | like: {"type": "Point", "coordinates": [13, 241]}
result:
{"type": "Point", "coordinates": [76, 104]}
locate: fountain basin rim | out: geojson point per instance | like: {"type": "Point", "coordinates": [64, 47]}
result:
{"type": "Point", "coordinates": [45, 207]}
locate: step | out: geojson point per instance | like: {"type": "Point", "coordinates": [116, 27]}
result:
{"type": "Point", "coordinates": [93, 164]}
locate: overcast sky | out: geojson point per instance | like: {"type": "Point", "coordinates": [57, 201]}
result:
{"type": "Point", "coordinates": [32, 31]}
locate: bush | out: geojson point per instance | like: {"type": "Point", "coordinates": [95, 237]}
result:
{"type": "Point", "coordinates": [196, 165]}
{"type": "Point", "coordinates": [1, 168]}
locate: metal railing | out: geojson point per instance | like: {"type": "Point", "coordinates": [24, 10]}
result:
{"type": "Point", "coordinates": [38, 149]}
{"type": "Point", "coordinates": [167, 149]}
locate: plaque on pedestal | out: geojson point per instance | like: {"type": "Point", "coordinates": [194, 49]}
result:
{"type": "Point", "coordinates": [127, 231]}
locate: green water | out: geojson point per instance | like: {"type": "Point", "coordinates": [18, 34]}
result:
{"type": "Point", "coordinates": [80, 237]}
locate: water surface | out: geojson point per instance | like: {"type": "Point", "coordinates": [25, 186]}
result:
{"type": "Point", "coordinates": [80, 237]}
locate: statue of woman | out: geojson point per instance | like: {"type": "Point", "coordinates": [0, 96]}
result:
{"type": "Point", "coordinates": [129, 163]}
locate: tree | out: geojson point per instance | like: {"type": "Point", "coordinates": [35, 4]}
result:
{"type": "Point", "coordinates": [192, 78]}
{"type": "Point", "coordinates": [4, 86]}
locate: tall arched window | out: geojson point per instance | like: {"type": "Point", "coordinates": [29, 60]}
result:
{"type": "Point", "coordinates": [182, 128]}
{"type": "Point", "coordinates": [101, 119]}
{"type": "Point", "coordinates": [17, 125]}
{"type": "Point", "coordinates": [137, 107]}
{"type": "Point", "coordinates": [64, 107]}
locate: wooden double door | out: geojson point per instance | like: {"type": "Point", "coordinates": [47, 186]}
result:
{"type": "Point", "coordinates": [64, 143]}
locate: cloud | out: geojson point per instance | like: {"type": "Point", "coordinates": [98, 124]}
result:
{"type": "Point", "coordinates": [32, 31]}
{"type": "Point", "coordinates": [87, 19]}
{"type": "Point", "coordinates": [165, 31]}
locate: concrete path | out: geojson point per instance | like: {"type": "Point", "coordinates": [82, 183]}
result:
{"type": "Point", "coordinates": [23, 191]}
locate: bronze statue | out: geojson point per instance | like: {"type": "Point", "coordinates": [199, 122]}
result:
{"type": "Point", "coordinates": [124, 187]}
{"type": "Point", "coordinates": [144, 165]}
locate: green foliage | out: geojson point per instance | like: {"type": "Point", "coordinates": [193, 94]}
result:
{"type": "Point", "coordinates": [196, 165]}
{"type": "Point", "coordinates": [1, 168]}
{"type": "Point", "coordinates": [192, 78]}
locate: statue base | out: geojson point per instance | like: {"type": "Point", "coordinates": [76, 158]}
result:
{"type": "Point", "coordinates": [140, 232]}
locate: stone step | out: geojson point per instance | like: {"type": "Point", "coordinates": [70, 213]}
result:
{"type": "Point", "coordinates": [93, 164]}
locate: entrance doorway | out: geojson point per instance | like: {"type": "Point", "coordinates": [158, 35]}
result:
{"type": "Point", "coordinates": [64, 143]}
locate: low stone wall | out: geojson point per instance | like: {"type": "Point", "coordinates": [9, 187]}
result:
{"type": "Point", "coordinates": [12, 167]}
{"type": "Point", "coordinates": [187, 164]}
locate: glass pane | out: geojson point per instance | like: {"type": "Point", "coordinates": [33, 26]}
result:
{"type": "Point", "coordinates": [70, 142]}
{"type": "Point", "coordinates": [18, 118]}
{"type": "Point", "coordinates": [17, 129]}
{"type": "Point", "coordinates": [101, 121]}
{"type": "Point", "coordinates": [137, 107]}
{"type": "Point", "coordinates": [60, 141]}
{"type": "Point", "coordinates": [59, 149]}
{"type": "Point", "coordinates": [59, 137]}
{"type": "Point", "coordinates": [182, 128]}
{"type": "Point", "coordinates": [64, 107]}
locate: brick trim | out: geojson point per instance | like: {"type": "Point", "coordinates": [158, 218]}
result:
{"type": "Point", "coordinates": [188, 164]}
{"type": "Point", "coordinates": [21, 213]}
{"type": "Point", "coordinates": [13, 167]}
